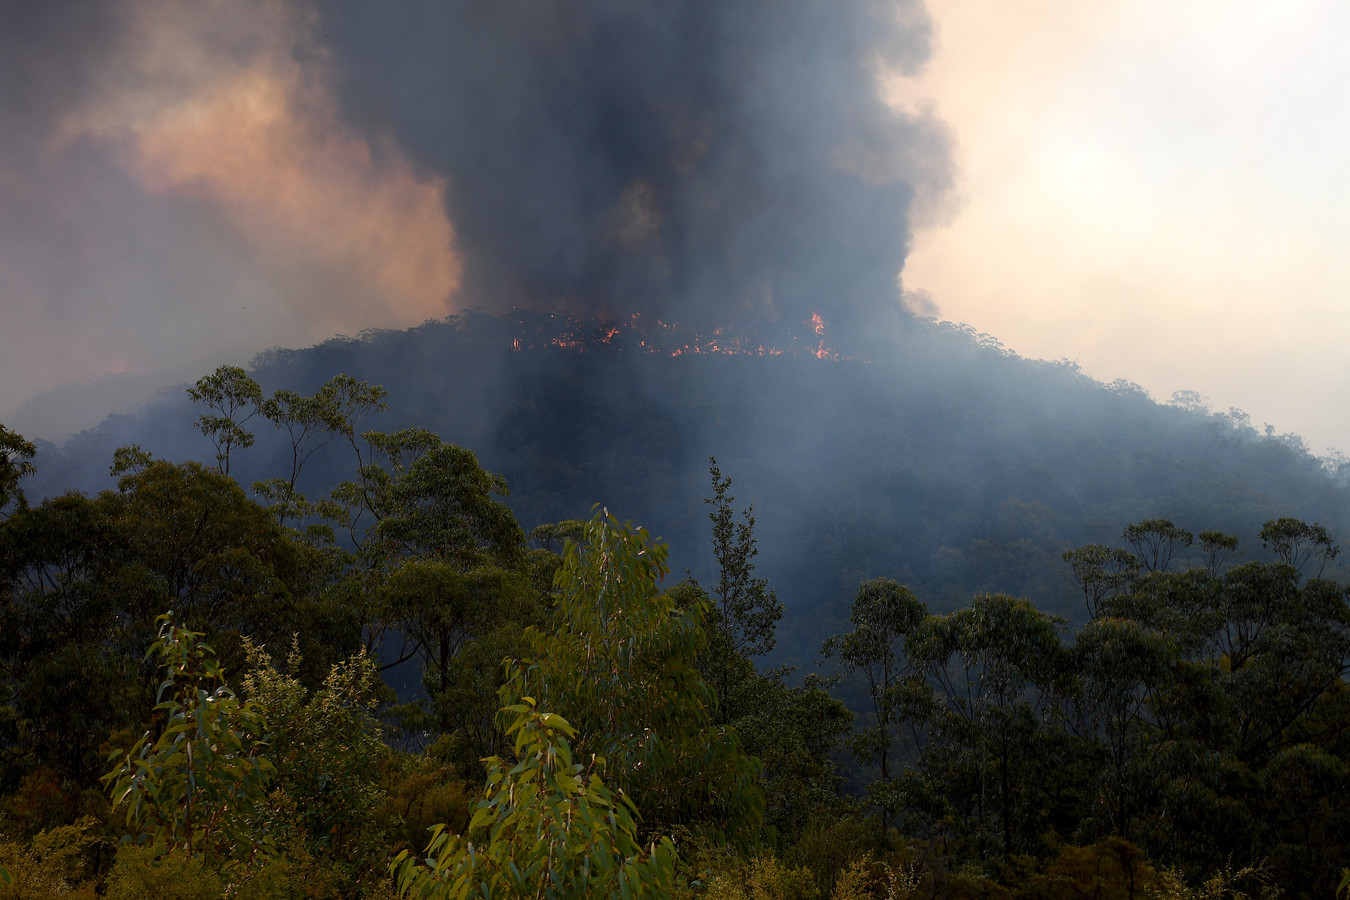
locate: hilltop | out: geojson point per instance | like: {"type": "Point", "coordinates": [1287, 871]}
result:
{"type": "Point", "coordinates": [946, 461]}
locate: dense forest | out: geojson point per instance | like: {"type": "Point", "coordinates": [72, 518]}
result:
{"type": "Point", "coordinates": [1050, 638]}
{"type": "Point", "coordinates": [948, 463]}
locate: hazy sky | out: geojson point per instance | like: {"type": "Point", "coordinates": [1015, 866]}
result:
{"type": "Point", "coordinates": [176, 192]}
{"type": "Point", "coordinates": [1156, 190]}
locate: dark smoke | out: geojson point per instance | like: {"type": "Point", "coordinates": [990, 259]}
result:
{"type": "Point", "coordinates": [704, 160]}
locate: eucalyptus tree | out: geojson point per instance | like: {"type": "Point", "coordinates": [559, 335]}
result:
{"type": "Point", "coordinates": [1101, 572]}
{"type": "Point", "coordinates": [451, 575]}
{"type": "Point", "coordinates": [886, 616]}
{"type": "Point", "coordinates": [1213, 691]}
{"type": "Point", "coordinates": [618, 661]}
{"type": "Point", "coordinates": [1156, 542]}
{"type": "Point", "coordinates": [1123, 668]}
{"type": "Point", "coordinates": [429, 556]}
{"type": "Point", "coordinates": [310, 423]}
{"type": "Point", "coordinates": [233, 398]}
{"type": "Point", "coordinates": [997, 667]}
{"type": "Point", "coordinates": [1297, 543]}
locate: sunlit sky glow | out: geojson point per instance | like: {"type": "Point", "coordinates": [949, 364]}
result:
{"type": "Point", "coordinates": [226, 210]}
{"type": "Point", "coordinates": [1154, 190]}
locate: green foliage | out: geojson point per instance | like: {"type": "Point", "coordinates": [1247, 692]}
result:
{"type": "Point", "coordinates": [1225, 884]}
{"type": "Point", "coordinates": [207, 549]}
{"type": "Point", "coordinates": [84, 579]}
{"type": "Point", "coordinates": [56, 863]}
{"type": "Point", "coordinates": [1113, 869]}
{"type": "Point", "coordinates": [854, 882]}
{"type": "Point", "coordinates": [1296, 543]}
{"type": "Point", "coordinates": [1206, 689]}
{"type": "Point", "coordinates": [142, 872]}
{"type": "Point", "coordinates": [885, 617]}
{"type": "Point", "coordinates": [1156, 542]}
{"type": "Point", "coordinates": [763, 878]}
{"type": "Point", "coordinates": [1200, 711]}
{"type": "Point", "coordinates": [795, 732]}
{"type": "Point", "coordinates": [1121, 666]}
{"type": "Point", "coordinates": [792, 731]}
{"type": "Point", "coordinates": [426, 789]}
{"type": "Point", "coordinates": [619, 663]}
{"type": "Point", "coordinates": [311, 422]}
{"type": "Point", "coordinates": [443, 506]}
{"type": "Point", "coordinates": [130, 460]}
{"type": "Point", "coordinates": [443, 565]}
{"type": "Point", "coordinates": [745, 612]}
{"type": "Point", "coordinates": [1216, 548]}
{"type": "Point", "coordinates": [547, 826]}
{"type": "Point", "coordinates": [138, 873]}
{"type": "Point", "coordinates": [326, 751]}
{"type": "Point", "coordinates": [996, 665]}
{"type": "Point", "coordinates": [15, 453]}
{"type": "Point", "coordinates": [1100, 572]}
{"type": "Point", "coordinates": [197, 785]}
{"type": "Point", "coordinates": [230, 393]}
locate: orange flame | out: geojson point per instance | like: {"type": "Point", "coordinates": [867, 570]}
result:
{"type": "Point", "coordinates": [568, 332]}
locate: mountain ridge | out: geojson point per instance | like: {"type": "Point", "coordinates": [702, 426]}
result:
{"type": "Point", "coordinates": [952, 465]}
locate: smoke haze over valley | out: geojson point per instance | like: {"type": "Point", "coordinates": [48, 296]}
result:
{"type": "Point", "coordinates": [187, 184]}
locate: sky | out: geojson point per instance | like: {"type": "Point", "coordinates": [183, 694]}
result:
{"type": "Point", "coordinates": [1156, 191]}
{"type": "Point", "coordinates": [179, 193]}
{"type": "Point", "coordinates": [1153, 190]}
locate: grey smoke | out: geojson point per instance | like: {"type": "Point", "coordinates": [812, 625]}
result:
{"type": "Point", "coordinates": [715, 163]}
{"type": "Point", "coordinates": [708, 161]}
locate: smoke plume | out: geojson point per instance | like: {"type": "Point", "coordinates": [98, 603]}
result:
{"type": "Point", "coordinates": [704, 161]}
{"type": "Point", "coordinates": [187, 182]}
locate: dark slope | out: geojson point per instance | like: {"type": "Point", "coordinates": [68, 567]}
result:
{"type": "Point", "coordinates": [953, 466]}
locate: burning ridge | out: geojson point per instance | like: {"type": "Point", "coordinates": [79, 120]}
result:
{"type": "Point", "coordinates": [646, 334]}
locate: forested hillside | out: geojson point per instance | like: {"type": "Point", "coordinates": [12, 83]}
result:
{"type": "Point", "coordinates": [948, 464]}
{"type": "Point", "coordinates": [1072, 643]}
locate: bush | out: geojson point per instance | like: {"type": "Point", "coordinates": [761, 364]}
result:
{"type": "Point", "coordinates": [54, 864]}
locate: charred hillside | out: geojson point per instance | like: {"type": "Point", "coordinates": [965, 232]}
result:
{"type": "Point", "coordinates": [949, 464]}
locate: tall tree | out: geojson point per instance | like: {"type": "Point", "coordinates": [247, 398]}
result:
{"type": "Point", "coordinates": [1156, 542]}
{"type": "Point", "coordinates": [1297, 543]}
{"type": "Point", "coordinates": [311, 423]}
{"type": "Point", "coordinates": [454, 579]}
{"type": "Point", "coordinates": [744, 617]}
{"type": "Point", "coordinates": [1100, 572]}
{"type": "Point", "coordinates": [85, 578]}
{"type": "Point", "coordinates": [619, 663]}
{"type": "Point", "coordinates": [885, 616]}
{"type": "Point", "coordinates": [996, 665]}
{"type": "Point", "coordinates": [234, 398]}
